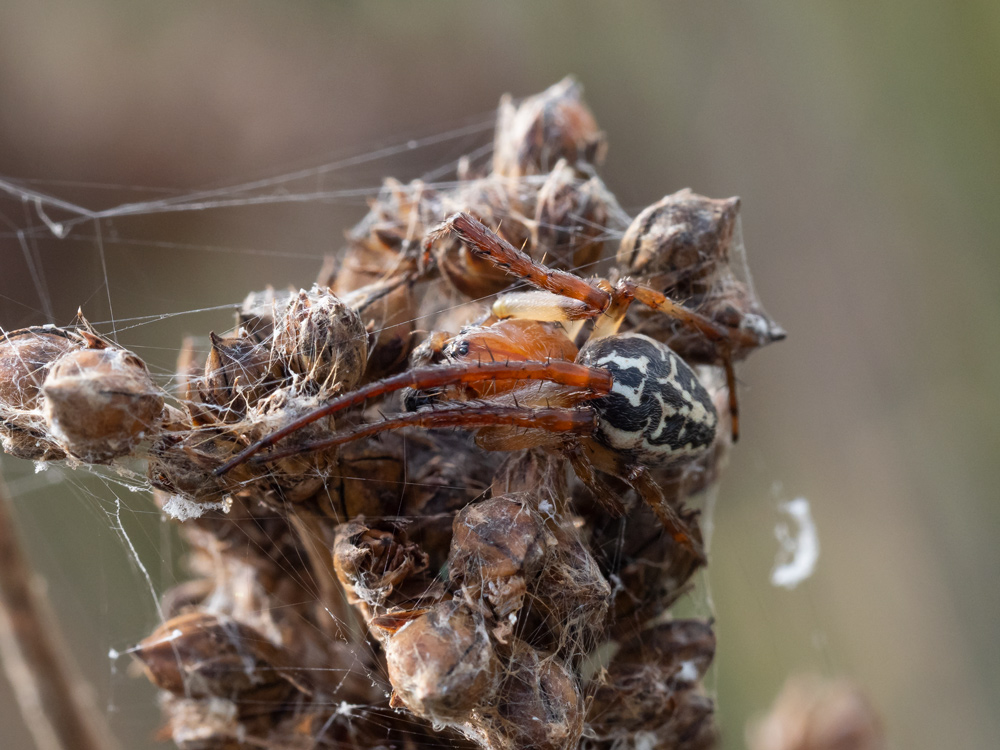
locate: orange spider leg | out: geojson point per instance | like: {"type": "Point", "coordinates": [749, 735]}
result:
{"type": "Point", "coordinates": [573, 421]}
{"type": "Point", "coordinates": [485, 244]}
{"type": "Point", "coordinates": [593, 379]}
{"type": "Point", "coordinates": [641, 481]}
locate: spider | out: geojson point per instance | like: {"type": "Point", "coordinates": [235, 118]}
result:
{"type": "Point", "coordinates": [620, 404]}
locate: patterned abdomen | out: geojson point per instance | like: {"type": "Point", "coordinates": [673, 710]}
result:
{"type": "Point", "coordinates": [657, 413]}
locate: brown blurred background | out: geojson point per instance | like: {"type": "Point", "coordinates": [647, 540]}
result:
{"type": "Point", "coordinates": [864, 139]}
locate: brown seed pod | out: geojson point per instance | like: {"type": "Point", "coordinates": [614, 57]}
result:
{"type": "Point", "coordinates": [258, 311]}
{"type": "Point", "coordinates": [181, 462]}
{"type": "Point", "coordinates": [556, 124]}
{"type": "Point", "coordinates": [388, 310]}
{"type": "Point", "coordinates": [572, 595]}
{"type": "Point", "coordinates": [571, 219]}
{"type": "Point", "coordinates": [295, 478]}
{"type": "Point", "coordinates": [100, 402]}
{"type": "Point", "coordinates": [373, 559]}
{"type": "Point", "coordinates": [498, 547]}
{"type": "Point", "coordinates": [210, 724]}
{"type": "Point", "coordinates": [652, 685]}
{"type": "Point", "coordinates": [388, 238]}
{"type": "Point", "coordinates": [442, 664]}
{"type": "Point", "coordinates": [322, 343]}
{"type": "Point", "coordinates": [25, 357]}
{"type": "Point", "coordinates": [538, 705]}
{"type": "Point", "coordinates": [201, 655]}
{"type": "Point", "coordinates": [680, 243]}
{"type": "Point", "coordinates": [238, 373]}
{"type": "Point", "coordinates": [496, 204]}
{"type": "Point", "coordinates": [368, 480]}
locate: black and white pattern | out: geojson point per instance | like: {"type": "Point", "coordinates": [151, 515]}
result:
{"type": "Point", "coordinates": [658, 412]}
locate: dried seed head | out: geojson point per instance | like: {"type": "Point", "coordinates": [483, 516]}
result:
{"type": "Point", "coordinates": [211, 724]}
{"type": "Point", "coordinates": [257, 312]}
{"type": "Point", "coordinates": [322, 342]}
{"type": "Point", "coordinates": [100, 402]}
{"type": "Point", "coordinates": [441, 664]}
{"type": "Point", "coordinates": [680, 243]}
{"type": "Point", "coordinates": [573, 596]}
{"type": "Point", "coordinates": [238, 373]}
{"type": "Point", "coordinates": [372, 559]}
{"type": "Point", "coordinates": [369, 479]}
{"type": "Point", "coordinates": [571, 217]}
{"type": "Point", "coordinates": [390, 234]}
{"type": "Point", "coordinates": [181, 463]}
{"type": "Point", "coordinates": [539, 705]}
{"type": "Point", "coordinates": [25, 358]}
{"type": "Point", "coordinates": [498, 547]}
{"type": "Point", "coordinates": [532, 136]}
{"type": "Point", "coordinates": [652, 685]}
{"type": "Point", "coordinates": [497, 205]}
{"type": "Point", "coordinates": [199, 655]}
{"type": "Point", "coordinates": [294, 478]}
{"type": "Point", "coordinates": [388, 312]}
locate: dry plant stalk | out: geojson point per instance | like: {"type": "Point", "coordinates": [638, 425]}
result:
{"type": "Point", "coordinates": [57, 705]}
{"type": "Point", "coordinates": [492, 564]}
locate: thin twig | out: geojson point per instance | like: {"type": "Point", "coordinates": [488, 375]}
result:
{"type": "Point", "coordinates": [57, 704]}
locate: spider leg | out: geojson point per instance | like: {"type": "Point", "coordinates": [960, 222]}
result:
{"type": "Point", "coordinates": [592, 379]}
{"type": "Point", "coordinates": [588, 475]}
{"type": "Point", "coordinates": [573, 421]}
{"type": "Point", "coordinates": [641, 481]}
{"type": "Point", "coordinates": [485, 244]}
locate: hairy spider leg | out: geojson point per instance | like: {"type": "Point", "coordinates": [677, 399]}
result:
{"type": "Point", "coordinates": [483, 243]}
{"type": "Point", "coordinates": [466, 414]}
{"type": "Point", "coordinates": [593, 379]}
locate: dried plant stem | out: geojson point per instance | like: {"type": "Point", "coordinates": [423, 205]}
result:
{"type": "Point", "coordinates": [57, 705]}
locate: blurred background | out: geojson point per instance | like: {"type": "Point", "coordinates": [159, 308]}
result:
{"type": "Point", "coordinates": [863, 138]}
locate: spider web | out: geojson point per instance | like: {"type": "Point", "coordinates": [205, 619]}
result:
{"type": "Point", "coordinates": [154, 266]}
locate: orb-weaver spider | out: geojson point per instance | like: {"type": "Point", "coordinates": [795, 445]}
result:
{"type": "Point", "coordinates": [620, 404]}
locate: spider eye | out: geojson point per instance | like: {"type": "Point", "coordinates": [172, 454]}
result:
{"type": "Point", "coordinates": [461, 348]}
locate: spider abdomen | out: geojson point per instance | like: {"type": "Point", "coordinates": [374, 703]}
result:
{"type": "Point", "coordinates": [658, 412]}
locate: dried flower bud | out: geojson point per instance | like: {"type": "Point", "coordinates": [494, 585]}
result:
{"type": "Point", "coordinates": [257, 311]}
{"type": "Point", "coordinates": [679, 240]}
{"type": "Point", "coordinates": [389, 235]}
{"type": "Point", "coordinates": [100, 402]}
{"type": "Point", "coordinates": [497, 548]}
{"type": "Point", "coordinates": [388, 311]}
{"type": "Point", "coordinates": [498, 206]}
{"type": "Point", "coordinates": [441, 664]}
{"type": "Point", "coordinates": [816, 714]}
{"type": "Point", "coordinates": [25, 357]}
{"type": "Point", "coordinates": [573, 595]}
{"type": "Point", "coordinates": [652, 685]}
{"type": "Point", "coordinates": [571, 217]}
{"type": "Point", "coordinates": [298, 477]}
{"type": "Point", "coordinates": [211, 724]}
{"type": "Point", "coordinates": [199, 655]}
{"type": "Point", "coordinates": [368, 479]}
{"type": "Point", "coordinates": [532, 136]}
{"type": "Point", "coordinates": [372, 559]}
{"type": "Point", "coordinates": [239, 372]}
{"type": "Point", "coordinates": [538, 705]}
{"type": "Point", "coordinates": [181, 462]}
{"type": "Point", "coordinates": [322, 341]}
